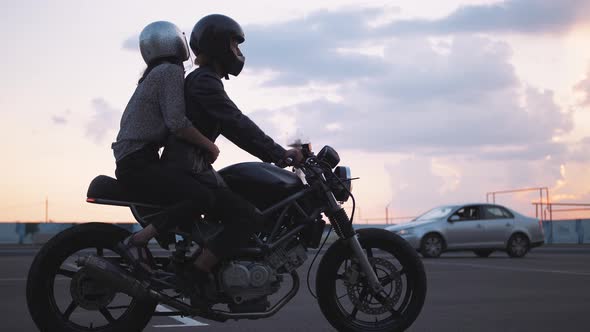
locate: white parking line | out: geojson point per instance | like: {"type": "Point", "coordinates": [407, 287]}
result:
{"type": "Point", "coordinates": [186, 321]}
{"type": "Point", "coordinates": [507, 268]}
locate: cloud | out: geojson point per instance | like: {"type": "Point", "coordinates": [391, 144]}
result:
{"type": "Point", "coordinates": [467, 101]}
{"type": "Point", "coordinates": [456, 95]}
{"type": "Point", "coordinates": [310, 48]}
{"type": "Point", "coordinates": [103, 121]}
{"type": "Point", "coordinates": [316, 47]}
{"type": "Point", "coordinates": [580, 150]}
{"type": "Point", "coordinates": [584, 88]}
{"type": "Point", "coordinates": [521, 16]}
{"type": "Point", "coordinates": [131, 43]}
{"type": "Point", "coordinates": [420, 183]}
{"type": "Point", "coordinates": [61, 119]}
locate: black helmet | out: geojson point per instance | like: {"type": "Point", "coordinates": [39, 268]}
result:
{"type": "Point", "coordinates": [212, 36]}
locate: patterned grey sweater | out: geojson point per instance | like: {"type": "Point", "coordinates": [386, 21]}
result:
{"type": "Point", "coordinates": [154, 111]}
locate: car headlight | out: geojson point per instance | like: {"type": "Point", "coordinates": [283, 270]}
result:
{"type": "Point", "coordinates": [405, 231]}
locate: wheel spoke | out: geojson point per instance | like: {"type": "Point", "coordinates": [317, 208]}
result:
{"type": "Point", "coordinates": [107, 314]}
{"type": "Point", "coordinates": [386, 280]}
{"type": "Point", "coordinates": [343, 295]}
{"type": "Point", "coordinates": [385, 301]}
{"type": "Point", "coordinates": [66, 273]}
{"type": "Point", "coordinates": [73, 305]}
{"type": "Point", "coordinates": [369, 252]}
{"type": "Point", "coordinates": [353, 313]}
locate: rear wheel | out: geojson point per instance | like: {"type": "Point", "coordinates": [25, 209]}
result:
{"type": "Point", "coordinates": [63, 297]}
{"type": "Point", "coordinates": [431, 246]}
{"type": "Point", "coordinates": [518, 245]}
{"type": "Point", "coordinates": [483, 253]}
{"type": "Point", "coordinates": [343, 292]}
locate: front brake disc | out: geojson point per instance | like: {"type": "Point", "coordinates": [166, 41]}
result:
{"type": "Point", "coordinates": [359, 294]}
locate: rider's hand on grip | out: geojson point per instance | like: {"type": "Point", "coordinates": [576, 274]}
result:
{"type": "Point", "coordinates": [292, 157]}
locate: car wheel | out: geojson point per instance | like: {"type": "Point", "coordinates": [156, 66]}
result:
{"type": "Point", "coordinates": [431, 246]}
{"type": "Point", "coordinates": [518, 245]}
{"type": "Point", "coordinates": [483, 253]}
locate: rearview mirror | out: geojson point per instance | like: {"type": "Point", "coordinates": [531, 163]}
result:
{"type": "Point", "coordinates": [454, 218]}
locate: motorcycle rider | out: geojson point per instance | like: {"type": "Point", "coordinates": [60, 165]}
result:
{"type": "Point", "coordinates": [214, 40]}
{"type": "Point", "coordinates": [157, 109]}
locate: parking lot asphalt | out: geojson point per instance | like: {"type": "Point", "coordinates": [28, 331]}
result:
{"type": "Point", "coordinates": [548, 290]}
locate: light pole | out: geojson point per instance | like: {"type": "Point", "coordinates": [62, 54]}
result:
{"type": "Point", "coordinates": [387, 213]}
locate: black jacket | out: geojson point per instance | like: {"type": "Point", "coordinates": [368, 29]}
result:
{"type": "Point", "coordinates": [211, 111]}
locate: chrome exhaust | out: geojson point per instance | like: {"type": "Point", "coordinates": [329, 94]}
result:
{"type": "Point", "coordinates": [114, 276]}
{"type": "Point", "coordinates": [120, 280]}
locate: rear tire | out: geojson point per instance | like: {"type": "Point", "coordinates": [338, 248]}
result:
{"type": "Point", "coordinates": [518, 245]}
{"type": "Point", "coordinates": [483, 253]}
{"type": "Point", "coordinates": [41, 299]}
{"type": "Point", "coordinates": [411, 275]}
{"type": "Point", "coordinates": [432, 246]}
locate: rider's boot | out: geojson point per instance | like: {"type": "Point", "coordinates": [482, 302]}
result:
{"type": "Point", "coordinates": [137, 254]}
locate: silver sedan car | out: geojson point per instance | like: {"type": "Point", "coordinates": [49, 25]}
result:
{"type": "Point", "coordinates": [481, 228]}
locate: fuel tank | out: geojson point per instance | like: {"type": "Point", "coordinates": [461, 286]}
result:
{"type": "Point", "coordinates": [262, 184]}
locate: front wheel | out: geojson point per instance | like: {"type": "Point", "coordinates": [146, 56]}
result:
{"type": "Point", "coordinates": [343, 293]}
{"type": "Point", "coordinates": [63, 297]}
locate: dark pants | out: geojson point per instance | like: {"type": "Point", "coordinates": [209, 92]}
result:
{"type": "Point", "coordinates": [187, 198]}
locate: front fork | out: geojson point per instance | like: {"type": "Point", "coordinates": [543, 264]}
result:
{"type": "Point", "coordinates": [343, 226]}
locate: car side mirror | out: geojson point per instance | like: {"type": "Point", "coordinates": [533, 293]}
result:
{"type": "Point", "coordinates": [454, 218]}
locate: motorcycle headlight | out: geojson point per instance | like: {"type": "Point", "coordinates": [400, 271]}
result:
{"type": "Point", "coordinates": [342, 193]}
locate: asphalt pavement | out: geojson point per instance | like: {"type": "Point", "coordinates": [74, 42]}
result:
{"type": "Point", "coordinates": [548, 290]}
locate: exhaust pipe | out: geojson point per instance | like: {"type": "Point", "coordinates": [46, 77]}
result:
{"type": "Point", "coordinates": [120, 280]}
{"type": "Point", "coordinates": [114, 276]}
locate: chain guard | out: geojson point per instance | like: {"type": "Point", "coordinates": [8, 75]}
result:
{"type": "Point", "coordinates": [354, 289]}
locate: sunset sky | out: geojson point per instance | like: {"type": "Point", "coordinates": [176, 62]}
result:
{"type": "Point", "coordinates": [429, 102]}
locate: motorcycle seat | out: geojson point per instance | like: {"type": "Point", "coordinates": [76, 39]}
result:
{"type": "Point", "coordinates": [107, 190]}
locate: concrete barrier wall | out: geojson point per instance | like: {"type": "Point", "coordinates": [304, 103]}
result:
{"type": "Point", "coordinates": [567, 231]}
{"type": "Point", "coordinates": [36, 233]}
{"type": "Point", "coordinates": [556, 232]}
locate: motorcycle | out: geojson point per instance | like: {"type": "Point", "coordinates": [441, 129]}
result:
{"type": "Point", "coordinates": [367, 280]}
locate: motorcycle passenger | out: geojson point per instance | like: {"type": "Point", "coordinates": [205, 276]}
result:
{"type": "Point", "coordinates": [214, 40]}
{"type": "Point", "coordinates": [156, 110]}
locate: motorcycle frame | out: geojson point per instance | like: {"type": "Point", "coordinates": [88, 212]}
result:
{"type": "Point", "coordinates": [263, 246]}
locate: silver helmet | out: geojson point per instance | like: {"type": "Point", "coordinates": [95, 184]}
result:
{"type": "Point", "coordinates": [162, 39]}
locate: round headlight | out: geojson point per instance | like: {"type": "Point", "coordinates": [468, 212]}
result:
{"type": "Point", "coordinates": [344, 174]}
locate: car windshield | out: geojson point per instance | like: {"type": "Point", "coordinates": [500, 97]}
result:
{"type": "Point", "coordinates": [435, 213]}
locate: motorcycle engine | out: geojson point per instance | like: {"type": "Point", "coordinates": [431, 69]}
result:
{"type": "Point", "coordinates": [245, 281]}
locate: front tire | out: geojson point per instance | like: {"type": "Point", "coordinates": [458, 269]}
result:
{"type": "Point", "coordinates": [397, 266]}
{"type": "Point", "coordinates": [518, 245]}
{"type": "Point", "coordinates": [50, 269]}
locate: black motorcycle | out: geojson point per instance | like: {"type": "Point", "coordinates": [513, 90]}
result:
{"type": "Point", "coordinates": [367, 280]}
